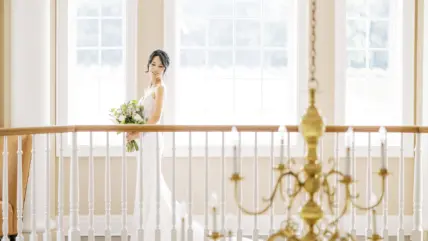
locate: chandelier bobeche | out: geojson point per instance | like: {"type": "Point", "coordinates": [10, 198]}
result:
{"type": "Point", "coordinates": [311, 180]}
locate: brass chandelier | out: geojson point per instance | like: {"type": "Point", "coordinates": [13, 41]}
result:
{"type": "Point", "coordinates": [312, 181]}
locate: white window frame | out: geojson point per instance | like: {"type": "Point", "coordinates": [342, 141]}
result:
{"type": "Point", "coordinates": [62, 47]}
{"type": "Point", "coordinates": [171, 32]}
{"type": "Point", "coordinates": [405, 29]}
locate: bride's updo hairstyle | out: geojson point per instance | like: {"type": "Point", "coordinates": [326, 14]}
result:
{"type": "Point", "coordinates": [163, 56]}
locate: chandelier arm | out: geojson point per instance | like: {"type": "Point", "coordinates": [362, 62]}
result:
{"type": "Point", "coordinates": [377, 203]}
{"type": "Point", "coordinates": [269, 200]}
{"type": "Point", "coordinates": [279, 185]}
{"type": "Point", "coordinates": [328, 189]}
{"type": "Point", "coordinates": [282, 192]}
{"type": "Point", "coordinates": [344, 210]}
{"type": "Point", "coordinates": [330, 194]}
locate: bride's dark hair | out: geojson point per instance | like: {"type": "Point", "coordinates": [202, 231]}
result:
{"type": "Point", "coordinates": [163, 56]}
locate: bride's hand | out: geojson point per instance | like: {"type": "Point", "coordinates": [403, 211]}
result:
{"type": "Point", "coordinates": [130, 136]}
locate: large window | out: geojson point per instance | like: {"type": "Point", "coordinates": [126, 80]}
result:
{"type": "Point", "coordinates": [92, 64]}
{"type": "Point", "coordinates": [237, 63]}
{"type": "Point", "coordinates": [374, 82]}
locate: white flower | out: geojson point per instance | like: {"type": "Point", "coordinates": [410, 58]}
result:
{"type": "Point", "coordinates": [121, 118]}
{"type": "Point", "coordinates": [137, 117]}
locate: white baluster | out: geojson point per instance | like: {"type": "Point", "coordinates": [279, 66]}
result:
{"type": "Point", "coordinates": [385, 198]}
{"type": "Point", "coordinates": [33, 234]}
{"type": "Point", "coordinates": [173, 199]}
{"type": "Point", "coordinates": [158, 171]}
{"type": "Point", "coordinates": [47, 233]}
{"type": "Point", "coordinates": [140, 230]}
{"type": "Point", "coordinates": [107, 198]}
{"type": "Point", "coordinates": [400, 235]}
{"type": "Point", "coordinates": [74, 230]}
{"type": "Point", "coordinates": [223, 184]}
{"type": "Point", "coordinates": [272, 177]}
{"type": "Point", "coordinates": [239, 220]}
{"type": "Point", "coordinates": [91, 231]}
{"type": "Point", "coordinates": [190, 215]}
{"type": "Point", "coordinates": [124, 232]}
{"type": "Point", "coordinates": [336, 179]}
{"type": "Point", "coordinates": [60, 229]}
{"type": "Point", "coordinates": [354, 188]}
{"type": "Point", "coordinates": [369, 185]}
{"type": "Point", "coordinates": [19, 195]}
{"type": "Point", "coordinates": [417, 233]}
{"type": "Point", "coordinates": [256, 188]}
{"type": "Point", "coordinates": [207, 211]}
{"type": "Point", "coordinates": [290, 181]}
{"type": "Point", "coordinates": [5, 193]}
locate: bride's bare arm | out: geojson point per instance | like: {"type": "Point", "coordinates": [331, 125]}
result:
{"type": "Point", "coordinates": [157, 112]}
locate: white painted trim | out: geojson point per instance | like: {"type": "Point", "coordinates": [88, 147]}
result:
{"type": "Point", "coordinates": [247, 224]}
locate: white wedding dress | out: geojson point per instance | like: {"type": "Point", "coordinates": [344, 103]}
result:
{"type": "Point", "coordinates": [152, 179]}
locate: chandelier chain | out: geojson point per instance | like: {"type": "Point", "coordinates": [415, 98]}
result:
{"type": "Point", "coordinates": [313, 40]}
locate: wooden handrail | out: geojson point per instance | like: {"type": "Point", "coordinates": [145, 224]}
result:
{"type": "Point", "coordinates": [195, 128]}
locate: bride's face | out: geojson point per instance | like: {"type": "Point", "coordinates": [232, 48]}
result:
{"type": "Point", "coordinates": [156, 67]}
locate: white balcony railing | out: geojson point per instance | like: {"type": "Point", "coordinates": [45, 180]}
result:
{"type": "Point", "coordinates": [81, 193]}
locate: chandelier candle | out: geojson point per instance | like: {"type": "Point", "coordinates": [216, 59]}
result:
{"type": "Point", "coordinates": [214, 219]}
{"type": "Point", "coordinates": [382, 132]}
{"type": "Point", "coordinates": [281, 132]}
{"type": "Point", "coordinates": [348, 143]}
{"type": "Point", "coordinates": [183, 230]}
{"type": "Point", "coordinates": [235, 137]}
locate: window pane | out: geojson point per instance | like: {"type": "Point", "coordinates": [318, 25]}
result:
{"type": "Point", "coordinates": [278, 102]}
{"type": "Point", "coordinates": [248, 95]}
{"type": "Point", "coordinates": [356, 60]}
{"type": "Point", "coordinates": [220, 8]}
{"type": "Point", "coordinates": [356, 8]}
{"type": "Point", "coordinates": [275, 64]}
{"type": "Point", "coordinates": [275, 34]}
{"type": "Point", "coordinates": [190, 58]}
{"type": "Point", "coordinates": [278, 10]}
{"type": "Point", "coordinates": [112, 58]}
{"type": "Point", "coordinates": [379, 60]}
{"type": "Point", "coordinates": [356, 33]}
{"type": "Point", "coordinates": [193, 32]}
{"type": "Point", "coordinates": [87, 32]}
{"type": "Point", "coordinates": [220, 63]}
{"type": "Point", "coordinates": [111, 7]}
{"type": "Point", "coordinates": [247, 8]}
{"type": "Point", "coordinates": [247, 64]}
{"type": "Point", "coordinates": [87, 58]}
{"type": "Point", "coordinates": [247, 33]}
{"type": "Point", "coordinates": [192, 8]}
{"type": "Point", "coordinates": [112, 32]}
{"type": "Point", "coordinates": [379, 8]}
{"type": "Point", "coordinates": [87, 8]}
{"type": "Point", "coordinates": [379, 34]}
{"type": "Point", "coordinates": [218, 101]}
{"type": "Point", "coordinates": [220, 32]}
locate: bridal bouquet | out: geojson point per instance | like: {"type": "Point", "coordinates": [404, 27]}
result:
{"type": "Point", "coordinates": [129, 113]}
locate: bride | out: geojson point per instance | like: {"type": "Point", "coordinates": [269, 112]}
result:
{"type": "Point", "coordinates": [153, 101]}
